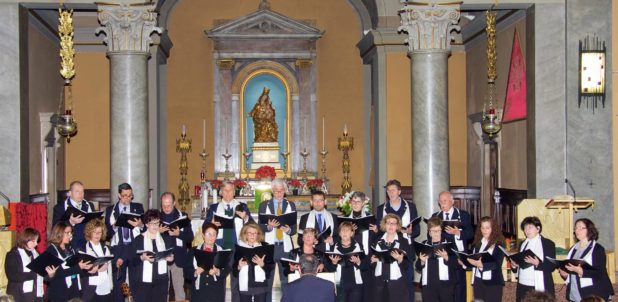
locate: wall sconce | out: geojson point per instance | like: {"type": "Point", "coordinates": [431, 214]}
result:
{"type": "Point", "coordinates": [592, 71]}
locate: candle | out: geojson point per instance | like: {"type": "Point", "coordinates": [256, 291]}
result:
{"type": "Point", "coordinates": [205, 197]}
{"type": "Point", "coordinates": [183, 130]}
{"type": "Point", "coordinates": [305, 131]}
{"type": "Point", "coordinates": [204, 134]}
{"type": "Point", "coordinates": [323, 134]}
{"type": "Point", "coordinates": [214, 195]}
{"type": "Point", "coordinates": [345, 129]}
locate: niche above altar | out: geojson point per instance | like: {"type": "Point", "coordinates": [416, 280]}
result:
{"type": "Point", "coordinates": [265, 55]}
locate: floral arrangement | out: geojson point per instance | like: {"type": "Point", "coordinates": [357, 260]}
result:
{"type": "Point", "coordinates": [239, 183]}
{"type": "Point", "coordinates": [314, 184]}
{"type": "Point", "coordinates": [265, 172]}
{"type": "Point", "coordinates": [216, 184]}
{"type": "Point", "coordinates": [294, 183]}
{"type": "Point", "coordinates": [343, 204]}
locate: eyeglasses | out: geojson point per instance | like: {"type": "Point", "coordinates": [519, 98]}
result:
{"type": "Point", "coordinates": [392, 223]}
{"type": "Point", "coordinates": [154, 222]}
{"type": "Point", "coordinates": [126, 195]}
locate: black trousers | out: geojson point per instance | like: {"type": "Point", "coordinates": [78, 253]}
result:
{"type": "Point", "coordinates": [253, 298]}
{"type": "Point", "coordinates": [487, 293]}
{"type": "Point", "coordinates": [438, 293]}
{"type": "Point", "coordinates": [151, 292]}
{"type": "Point", "coordinates": [460, 285]}
{"type": "Point", "coordinates": [353, 294]}
{"type": "Point", "coordinates": [277, 255]}
{"type": "Point", "coordinates": [391, 290]}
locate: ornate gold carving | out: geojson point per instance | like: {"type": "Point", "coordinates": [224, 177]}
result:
{"type": "Point", "coordinates": [491, 45]}
{"type": "Point", "coordinates": [226, 64]}
{"type": "Point", "coordinates": [67, 52]}
{"type": "Point", "coordinates": [183, 146]}
{"type": "Point", "coordinates": [303, 63]}
{"type": "Point", "coordinates": [345, 144]}
{"type": "Point", "coordinates": [265, 128]}
{"type": "Point", "coordinates": [128, 28]}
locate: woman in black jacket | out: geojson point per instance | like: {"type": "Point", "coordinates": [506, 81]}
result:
{"type": "Point", "coordinates": [537, 275]}
{"type": "Point", "coordinates": [208, 283]}
{"type": "Point", "coordinates": [252, 273]}
{"type": "Point", "coordinates": [149, 277]}
{"type": "Point", "coordinates": [585, 281]}
{"type": "Point", "coordinates": [65, 284]}
{"type": "Point", "coordinates": [24, 285]}
{"type": "Point", "coordinates": [487, 280]}
{"type": "Point", "coordinates": [389, 261]}
{"type": "Point", "coordinates": [97, 283]}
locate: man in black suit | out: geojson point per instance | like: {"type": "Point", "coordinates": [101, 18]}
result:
{"type": "Point", "coordinates": [318, 218]}
{"type": "Point", "coordinates": [460, 236]}
{"type": "Point", "coordinates": [181, 238]}
{"type": "Point", "coordinates": [406, 210]}
{"type": "Point", "coordinates": [278, 235]}
{"type": "Point", "coordinates": [120, 238]}
{"type": "Point", "coordinates": [76, 200]}
{"type": "Point", "coordinates": [309, 287]}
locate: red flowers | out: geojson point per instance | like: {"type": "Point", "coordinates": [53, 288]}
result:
{"type": "Point", "coordinates": [265, 172]}
{"type": "Point", "coordinates": [294, 183]}
{"type": "Point", "coordinates": [239, 183]}
{"type": "Point", "coordinates": [314, 184]}
{"type": "Point", "coordinates": [216, 184]}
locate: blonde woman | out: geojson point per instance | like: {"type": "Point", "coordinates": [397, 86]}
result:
{"type": "Point", "coordinates": [97, 283]}
{"type": "Point", "coordinates": [389, 270]}
{"type": "Point", "coordinates": [252, 273]}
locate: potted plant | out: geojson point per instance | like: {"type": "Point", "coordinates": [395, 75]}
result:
{"type": "Point", "coordinates": [343, 204]}
{"type": "Point", "coordinates": [215, 184]}
{"type": "Point", "coordinates": [294, 184]}
{"type": "Point", "coordinates": [314, 184]}
{"type": "Point", "coordinates": [239, 184]}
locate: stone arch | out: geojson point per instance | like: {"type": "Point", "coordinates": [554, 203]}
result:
{"type": "Point", "coordinates": [279, 68]}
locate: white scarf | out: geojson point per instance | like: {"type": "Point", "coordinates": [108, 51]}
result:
{"type": "Point", "coordinates": [103, 280]}
{"type": "Point", "coordinates": [68, 280]}
{"type": "Point", "coordinates": [364, 234]}
{"type": "Point", "coordinates": [162, 264]}
{"type": "Point", "coordinates": [259, 275]}
{"type": "Point", "coordinates": [358, 279]}
{"type": "Point", "coordinates": [395, 272]}
{"type": "Point", "coordinates": [442, 268]}
{"type": "Point", "coordinates": [197, 280]}
{"type": "Point", "coordinates": [70, 201]}
{"type": "Point", "coordinates": [271, 236]}
{"type": "Point", "coordinates": [405, 218]}
{"type": "Point", "coordinates": [536, 246]}
{"type": "Point", "coordinates": [485, 275]}
{"type": "Point", "coordinates": [28, 286]}
{"type": "Point", "coordinates": [327, 218]}
{"type": "Point", "coordinates": [238, 222]}
{"type": "Point", "coordinates": [112, 220]}
{"type": "Point", "coordinates": [583, 282]}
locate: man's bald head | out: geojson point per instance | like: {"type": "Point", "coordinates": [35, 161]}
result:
{"type": "Point", "coordinates": [445, 199]}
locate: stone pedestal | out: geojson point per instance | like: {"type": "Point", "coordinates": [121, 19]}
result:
{"type": "Point", "coordinates": [265, 154]}
{"type": "Point", "coordinates": [429, 38]}
{"type": "Point", "coordinates": [127, 30]}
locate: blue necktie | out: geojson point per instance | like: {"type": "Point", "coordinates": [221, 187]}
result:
{"type": "Point", "coordinates": [125, 231]}
{"type": "Point", "coordinates": [320, 222]}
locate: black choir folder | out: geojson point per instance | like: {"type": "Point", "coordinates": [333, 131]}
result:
{"type": "Point", "coordinates": [563, 263]}
{"type": "Point", "coordinates": [485, 257]}
{"type": "Point", "coordinates": [207, 260]}
{"type": "Point", "coordinates": [385, 256]}
{"type": "Point", "coordinates": [412, 222]}
{"type": "Point", "coordinates": [324, 235]}
{"type": "Point", "coordinates": [123, 219]}
{"type": "Point", "coordinates": [347, 257]}
{"type": "Point", "coordinates": [226, 223]}
{"type": "Point", "coordinates": [361, 223]}
{"type": "Point", "coordinates": [181, 223]}
{"type": "Point", "coordinates": [247, 253]}
{"type": "Point", "coordinates": [520, 257]}
{"type": "Point", "coordinates": [44, 260]}
{"type": "Point", "coordinates": [75, 212]}
{"type": "Point", "coordinates": [430, 250]}
{"type": "Point", "coordinates": [158, 255]}
{"type": "Point", "coordinates": [96, 261]}
{"type": "Point", "coordinates": [283, 219]}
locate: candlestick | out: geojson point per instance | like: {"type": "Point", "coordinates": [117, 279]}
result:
{"type": "Point", "coordinates": [183, 146]}
{"type": "Point", "coordinates": [227, 173]}
{"type": "Point", "coordinates": [203, 155]}
{"type": "Point", "coordinates": [304, 154]}
{"type": "Point", "coordinates": [247, 155]}
{"type": "Point", "coordinates": [285, 163]}
{"type": "Point", "coordinates": [323, 154]}
{"type": "Point", "coordinates": [345, 144]}
{"type": "Point", "coordinates": [204, 134]}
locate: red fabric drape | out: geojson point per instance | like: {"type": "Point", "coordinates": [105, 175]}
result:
{"type": "Point", "coordinates": [33, 215]}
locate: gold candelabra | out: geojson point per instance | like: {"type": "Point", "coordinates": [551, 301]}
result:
{"type": "Point", "coordinates": [183, 146]}
{"type": "Point", "coordinates": [345, 144]}
{"type": "Point", "coordinates": [323, 154]}
{"type": "Point", "coordinates": [203, 155]}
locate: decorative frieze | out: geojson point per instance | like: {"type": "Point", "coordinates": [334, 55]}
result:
{"type": "Point", "coordinates": [429, 27]}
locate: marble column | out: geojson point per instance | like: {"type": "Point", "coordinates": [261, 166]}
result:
{"type": "Point", "coordinates": [128, 30]}
{"type": "Point", "coordinates": [429, 37]}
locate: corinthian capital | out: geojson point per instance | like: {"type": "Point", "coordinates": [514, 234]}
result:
{"type": "Point", "coordinates": [127, 28]}
{"type": "Point", "coordinates": [429, 26]}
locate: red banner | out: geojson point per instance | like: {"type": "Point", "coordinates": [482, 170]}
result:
{"type": "Point", "coordinates": [515, 102]}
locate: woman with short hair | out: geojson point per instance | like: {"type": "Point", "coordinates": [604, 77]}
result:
{"type": "Point", "coordinates": [252, 273]}
{"type": "Point", "coordinates": [97, 282]}
{"type": "Point", "coordinates": [24, 285]}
